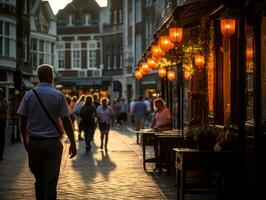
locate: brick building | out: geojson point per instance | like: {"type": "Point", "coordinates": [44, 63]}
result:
{"type": "Point", "coordinates": [79, 49]}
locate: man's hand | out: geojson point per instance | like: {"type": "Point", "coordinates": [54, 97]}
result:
{"type": "Point", "coordinates": [72, 150]}
{"type": "Point", "coordinates": [69, 131]}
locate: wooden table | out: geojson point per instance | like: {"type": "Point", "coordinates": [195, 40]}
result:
{"type": "Point", "coordinates": [194, 159]}
{"type": "Point", "coordinates": [168, 140]}
{"type": "Point", "coordinates": [149, 139]}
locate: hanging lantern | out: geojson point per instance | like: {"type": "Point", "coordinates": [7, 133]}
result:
{"type": "Point", "coordinates": [228, 27]}
{"type": "Point", "coordinates": [175, 34]}
{"type": "Point", "coordinates": [145, 68]}
{"type": "Point", "coordinates": [157, 51]}
{"type": "Point", "coordinates": [152, 63]}
{"type": "Point", "coordinates": [171, 75]}
{"type": "Point", "coordinates": [162, 72]}
{"type": "Point", "coordinates": [165, 43]}
{"type": "Point", "coordinates": [199, 60]}
{"type": "Point", "coordinates": [138, 74]}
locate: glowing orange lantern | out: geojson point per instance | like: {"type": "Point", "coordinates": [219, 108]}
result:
{"type": "Point", "coordinates": [228, 27]}
{"type": "Point", "coordinates": [165, 43]}
{"type": "Point", "coordinates": [152, 63]}
{"type": "Point", "coordinates": [199, 60]}
{"type": "Point", "coordinates": [175, 34]}
{"type": "Point", "coordinates": [171, 75]}
{"type": "Point", "coordinates": [162, 72]}
{"type": "Point", "coordinates": [146, 68]}
{"type": "Point", "coordinates": [138, 74]}
{"type": "Point", "coordinates": [157, 51]}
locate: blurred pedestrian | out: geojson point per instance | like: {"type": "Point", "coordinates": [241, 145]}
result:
{"type": "Point", "coordinates": [131, 108]}
{"type": "Point", "coordinates": [162, 116]}
{"type": "Point", "coordinates": [140, 111]}
{"type": "Point", "coordinates": [105, 117]}
{"type": "Point", "coordinates": [148, 115]}
{"type": "Point", "coordinates": [88, 115]}
{"type": "Point", "coordinates": [123, 112]}
{"type": "Point", "coordinates": [76, 112]}
{"type": "Point", "coordinates": [116, 115]}
{"type": "Point", "coordinates": [96, 100]}
{"type": "Point", "coordinates": [40, 111]}
{"type": "Point", "coordinates": [72, 104]}
{"type": "Point", "coordinates": [3, 118]}
{"type": "Point", "coordinates": [96, 104]}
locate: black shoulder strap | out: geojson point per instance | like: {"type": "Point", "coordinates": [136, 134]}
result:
{"type": "Point", "coordinates": [46, 112]}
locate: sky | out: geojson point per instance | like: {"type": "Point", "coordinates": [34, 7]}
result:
{"type": "Point", "coordinates": [60, 4]}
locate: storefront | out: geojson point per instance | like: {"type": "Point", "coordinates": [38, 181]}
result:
{"type": "Point", "coordinates": [217, 52]}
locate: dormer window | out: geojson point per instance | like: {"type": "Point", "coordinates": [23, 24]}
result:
{"type": "Point", "coordinates": [70, 20]}
{"type": "Point", "coordinates": [87, 19]}
{"type": "Point", "coordinates": [115, 17]}
{"type": "Point", "coordinates": [120, 17]}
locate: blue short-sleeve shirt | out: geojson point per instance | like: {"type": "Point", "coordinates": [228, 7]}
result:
{"type": "Point", "coordinates": [39, 124]}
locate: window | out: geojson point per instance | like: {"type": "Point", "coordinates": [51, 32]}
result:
{"type": "Point", "coordinates": [148, 2]}
{"type": "Point", "coordinates": [70, 20]}
{"type": "Point", "coordinates": [87, 19]}
{"type": "Point", "coordinates": [108, 57]}
{"type": "Point", "coordinates": [41, 52]}
{"type": "Point", "coordinates": [7, 39]}
{"type": "Point", "coordinates": [25, 7]}
{"type": "Point", "coordinates": [120, 56]}
{"type": "Point", "coordinates": [130, 20]}
{"type": "Point", "coordinates": [61, 59]}
{"type": "Point", "coordinates": [41, 45]}
{"type": "Point", "coordinates": [76, 58]}
{"type": "Point", "coordinates": [138, 11]}
{"type": "Point", "coordinates": [138, 47]}
{"type": "Point", "coordinates": [114, 57]}
{"type": "Point", "coordinates": [120, 16]}
{"type": "Point", "coordinates": [115, 17]}
{"type": "Point", "coordinates": [92, 58]}
{"type": "Point", "coordinates": [148, 31]}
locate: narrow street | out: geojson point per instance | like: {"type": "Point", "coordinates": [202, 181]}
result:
{"type": "Point", "coordinates": [116, 174]}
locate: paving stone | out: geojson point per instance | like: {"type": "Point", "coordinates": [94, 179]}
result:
{"type": "Point", "coordinates": [116, 174]}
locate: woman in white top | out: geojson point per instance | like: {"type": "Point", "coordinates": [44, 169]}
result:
{"type": "Point", "coordinates": [105, 117]}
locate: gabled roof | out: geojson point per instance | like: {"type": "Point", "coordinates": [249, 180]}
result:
{"type": "Point", "coordinates": [85, 6]}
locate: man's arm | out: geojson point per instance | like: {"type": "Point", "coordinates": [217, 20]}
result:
{"type": "Point", "coordinates": [70, 133]}
{"type": "Point", "coordinates": [23, 123]}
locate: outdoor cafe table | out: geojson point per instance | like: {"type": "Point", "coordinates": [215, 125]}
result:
{"type": "Point", "coordinates": [206, 161]}
{"type": "Point", "coordinates": [149, 139]}
{"type": "Point", "coordinates": [167, 140]}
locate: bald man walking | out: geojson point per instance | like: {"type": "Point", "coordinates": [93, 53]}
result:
{"type": "Point", "coordinates": [40, 111]}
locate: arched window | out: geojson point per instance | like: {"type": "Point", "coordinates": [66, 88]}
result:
{"type": "Point", "coordinates": [115, 17]}
{"type": "Point", "coordinates": [120, 17]}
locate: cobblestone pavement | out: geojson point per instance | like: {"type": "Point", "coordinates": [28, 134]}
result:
{"type": "Point", "coordinates": [116, 174]}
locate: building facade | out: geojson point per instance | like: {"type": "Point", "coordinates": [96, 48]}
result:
{"type": "Point", "coordinates": [43, 35]}
{"type": "Point", "coordinates": [15, 68]}
{"type": "Point", "coordinates": [79, 49]}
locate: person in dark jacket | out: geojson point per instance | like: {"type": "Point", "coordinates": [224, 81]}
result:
{"type": "Point", "coordinates": [88, 114]}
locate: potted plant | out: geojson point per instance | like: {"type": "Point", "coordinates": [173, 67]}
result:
{"type": "Point", "coordinates": [203, 138]}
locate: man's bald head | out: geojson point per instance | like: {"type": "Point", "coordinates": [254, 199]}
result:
{"type": "Point", "coordinates": [45, 73]}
